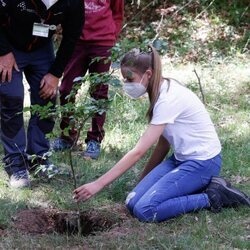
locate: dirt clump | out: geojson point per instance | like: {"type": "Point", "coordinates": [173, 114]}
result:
{"type": "Point", "coordinates": [35, 221]}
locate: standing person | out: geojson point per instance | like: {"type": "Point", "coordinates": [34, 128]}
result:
{"type": "Point", "coordinates": [177, 119]}
{"type": "Point", "coordinates": [100, 32]}
{"type": "Point", "coordinates": [26, 47]}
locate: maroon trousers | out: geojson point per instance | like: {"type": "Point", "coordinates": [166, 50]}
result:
{"type": "Point", "coordinates": [81, 62]}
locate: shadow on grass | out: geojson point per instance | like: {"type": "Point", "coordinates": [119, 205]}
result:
{"type": "Point", "coordinates": [8, 210]}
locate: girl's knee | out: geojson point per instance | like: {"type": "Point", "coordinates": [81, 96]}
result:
{"type": "Point", "coordinates": [145, 212]}
{"type": "Point", "coordinates": [130, 202]}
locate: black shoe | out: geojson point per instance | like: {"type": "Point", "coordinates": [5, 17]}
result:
{"type": "Point", "coordinates": [222, 194]}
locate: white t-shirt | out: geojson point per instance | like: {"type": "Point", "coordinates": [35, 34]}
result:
{"type": "Point", "coordinates": [49, 3]}
{"type": "Point", "coordinates": [189, 128]}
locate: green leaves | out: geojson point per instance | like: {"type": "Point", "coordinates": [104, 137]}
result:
{"type": "Point", "coordinates": [160, 45]}
{"type": "Point", "coordinates": [44, 112]}
{"type": "Point", "coordinates": [85, 106]}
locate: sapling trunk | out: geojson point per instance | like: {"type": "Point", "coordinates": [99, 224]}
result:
{"type": "Point", "coordinates": [75, 186]}
{"type": "Point", "coordinates": [74, 175]}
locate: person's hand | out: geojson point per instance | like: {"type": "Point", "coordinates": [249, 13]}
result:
{"type": "Point", "coordinates": [7, 63]}
{"type": "Point", "coordinates": [86, 191]}
{"type": "Point", "coordinates": [48, 86]}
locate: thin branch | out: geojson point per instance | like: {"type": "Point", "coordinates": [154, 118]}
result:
{"type": "Point", "coordinates": [72, 168]}
{"type": "Point", "coordinates": [22, 154]}
{"type": "Point", "coordinates": [71, 149]}
{"type": "Point", "coordinates": [74, 175]}
{"type": "Point", "coordinates": [201, 90]}
{"type": "Point", "coordinates": [246, 45]}
{"type": "Point", "coordinates": [126, 24]}
{"type": "Point", "coordinates": [213, 107]}
{"type": "Point", "coordinates": [245, 11]}
{"type": "Point", "coordinates": [204, 10]}
{"type": "Point", "coordinates": [158, 28]}
{"type": "Point", "coordinates": [185, 5]}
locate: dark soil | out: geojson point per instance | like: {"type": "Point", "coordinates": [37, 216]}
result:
{"type": "Point", "coordinates": [44, 221]}
{"type": "Point", "coordinates": [2, 232]}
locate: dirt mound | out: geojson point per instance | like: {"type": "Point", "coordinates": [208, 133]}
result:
{"type": "Point", "coordinates": [43, 221]}
{"type": "Point", "coordinates": [35, 221]}
{"type": "Point", "coordinates": [2, 232]}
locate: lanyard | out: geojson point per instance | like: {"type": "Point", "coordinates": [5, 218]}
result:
{"type": "Point", "coordinates": [37, 12]}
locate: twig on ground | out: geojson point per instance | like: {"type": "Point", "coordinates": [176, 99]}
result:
{"type": "Point", "coordinates": [245, 11]}
{"type": "Point", "coordinates": [201, 90]}
{"type": "Point", "coordinates": [246, 46]}
{"type": "Point", "coordinates": [204, 10]}
{"type": "Point", "coordinates": [213, 107]}
{"type": "Point", "coordinates": [157, 30]}
{"type": "Point", "coordinates": [126, 24]}
{"type": "Point", "coordinates": [185, 5]}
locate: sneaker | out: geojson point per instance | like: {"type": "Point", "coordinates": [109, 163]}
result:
{"type": "Point", "coordinates": [93, 150]}
{"type": "Point", "coordinates": [60, 144]}
{"type": "Point", "coordinates": [19, 179]}
{"type": "Point", "coordinates": [222, 194]}
{"type": "Point", "coordinates": [47, 170]}
{"type": "Point", "coordinates": [41, 167]}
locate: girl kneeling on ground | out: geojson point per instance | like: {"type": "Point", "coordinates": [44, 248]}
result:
{"type": "Point", "coordinates": [188, 180]}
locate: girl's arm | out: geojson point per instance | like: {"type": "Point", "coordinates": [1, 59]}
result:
{"type": "Point", "coordinates": [161, 150]}
{"type": "Point", "coordinates": [150, 136]}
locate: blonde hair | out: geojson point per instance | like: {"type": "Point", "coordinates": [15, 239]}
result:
{"type": "Point", "coordinates": [142, 61]}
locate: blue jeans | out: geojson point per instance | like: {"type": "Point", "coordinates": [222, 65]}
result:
{"type": "Point", "coordinates": [173, 188]}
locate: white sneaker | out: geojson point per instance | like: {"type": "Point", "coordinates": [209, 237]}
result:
{"type": "Point", "coordinates": [19, 179]}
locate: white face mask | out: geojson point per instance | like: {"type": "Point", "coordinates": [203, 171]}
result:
{"type": "Point", "coordinates": [49, 3]}
{"type": "Point", "coordinates": [134, 89]}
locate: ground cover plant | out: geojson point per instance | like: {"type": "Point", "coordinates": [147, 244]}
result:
{"type": "Point", "coordinates": [225, 80]}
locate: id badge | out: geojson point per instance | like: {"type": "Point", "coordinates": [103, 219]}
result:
{"type": "Point", "coordinates": [40, 29]}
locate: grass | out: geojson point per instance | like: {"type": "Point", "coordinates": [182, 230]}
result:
{"type": "Point", "coordinates": [226, 88]}
{"type": "Point", "coordinates": [212, 44]}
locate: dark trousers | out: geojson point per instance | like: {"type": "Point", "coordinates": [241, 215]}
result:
{"type": "Point", "coordinates": [81, 62]}
{"type": "Point", "coordinates": [34, 65]}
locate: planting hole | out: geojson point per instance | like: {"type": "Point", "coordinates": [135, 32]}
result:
{"type": "Point", "coordinates": [41, 221]}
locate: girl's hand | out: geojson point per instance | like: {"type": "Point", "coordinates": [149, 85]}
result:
{"type": "Point", "coordinates": [150, 136]}
{"type": "Point", "coordinates": [86, 191]}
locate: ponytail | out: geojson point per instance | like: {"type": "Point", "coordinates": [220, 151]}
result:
{"type": "Point", "coordinates": [155, 81]}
